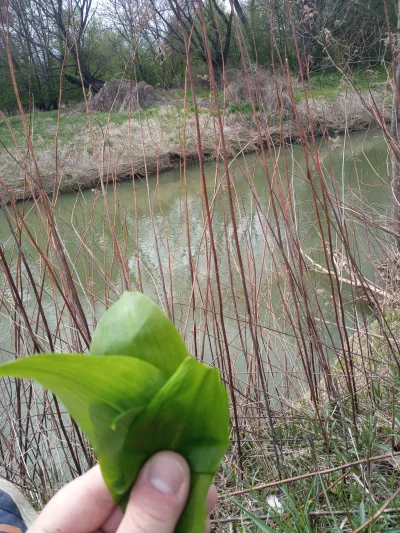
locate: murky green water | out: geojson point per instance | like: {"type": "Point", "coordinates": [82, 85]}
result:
{"type": "Point", "coordinates": [360, 166]}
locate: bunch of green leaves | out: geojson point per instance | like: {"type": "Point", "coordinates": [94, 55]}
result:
{"type": "Point", "coordinates": [139, 392]}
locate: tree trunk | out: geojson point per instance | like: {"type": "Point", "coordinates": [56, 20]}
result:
{"type": "Point", "coordinates": [240, 12]}
{"type": "Point", "coordinates": [307, 16]}
{"type": "Point", "coordinates": [306, 46]}
{"type": "Point", "coordinates": [395, 134]}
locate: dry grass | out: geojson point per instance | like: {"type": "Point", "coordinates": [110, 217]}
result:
{"type": "Point", "coordinates": [113, 151]}
{"type": "Point", "coordinates": [310, 504]}
{"type": "Point", "coordinates": [160, 137]}
{"type": "Point", "coordinates": [352, 111]}
{"type": "Point", "coordinates": [269, 90]}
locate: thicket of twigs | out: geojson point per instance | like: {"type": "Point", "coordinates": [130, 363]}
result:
{"type": "Point", "coordinates": [313, 379]}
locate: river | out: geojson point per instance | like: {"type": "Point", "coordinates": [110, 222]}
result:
{"type": "Point", "coordinates": [360, 164]}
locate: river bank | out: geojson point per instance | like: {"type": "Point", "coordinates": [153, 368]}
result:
{"type": "Point", "coordinates": [79, 150]}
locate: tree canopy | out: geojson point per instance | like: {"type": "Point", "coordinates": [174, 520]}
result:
{"type": "Point", "coordinates": [59, 48]}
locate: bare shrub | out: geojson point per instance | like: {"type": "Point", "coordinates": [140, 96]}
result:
{"type": "Point", "coordinates": [268, 90]}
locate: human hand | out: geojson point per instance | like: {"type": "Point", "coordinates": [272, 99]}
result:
{"type": "Point", "coordinates": [155, 504]}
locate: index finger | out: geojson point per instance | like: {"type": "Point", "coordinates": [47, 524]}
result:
{"type": "Point", "coordinates": [81, 506]}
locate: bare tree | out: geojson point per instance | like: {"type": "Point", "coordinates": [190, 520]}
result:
{"type": "Point", "coordinates": [173, 19]}
{"type": "Point", "coordinates": [54, 31]}
{"type": "Point", "coordinates": [30, 44]}
{"type": "Point", "coordinates": [70, 22]}
{"type": "Point", "coordinates": [130, 18]}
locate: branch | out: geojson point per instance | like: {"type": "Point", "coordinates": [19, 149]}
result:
{"type": "Point", "coordinates": [366, 285]}
{"type": "Point", "coordinates": [312, 474]}
{"type": "Point", "coordinates": [240, 13]}
{"type": "Point", "coordinates": [333, 512]}
{"type": "Point", "coordinates": [378, 513]}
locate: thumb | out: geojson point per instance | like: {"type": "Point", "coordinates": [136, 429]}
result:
{"type": "Point", "coordinates": [158, 496]}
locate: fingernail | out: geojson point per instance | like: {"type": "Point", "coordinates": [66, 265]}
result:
{"type": "Point", "coordinates": [165, 474]}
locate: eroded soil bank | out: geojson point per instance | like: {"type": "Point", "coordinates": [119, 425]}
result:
{"type": "Point", "coordinates": [80, 150]}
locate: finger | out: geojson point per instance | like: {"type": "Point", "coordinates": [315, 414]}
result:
{"type": "Point", "coordinates": [211, 503]}
{"type": "Point", "coordinates": [159, 495]}
{"type": "Point", "coordinates": [113, 521]}
{"type": "Point", "coordinates": [81, 506]}
{"type": "Point", "coordinates": [212, 499]}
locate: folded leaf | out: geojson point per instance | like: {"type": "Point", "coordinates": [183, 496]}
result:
{"type": "Point", "coordinates": [190, 416]}
{"type": "Point", "coordinates": [152, 396]}
{"type": "Point", "coordinates": [135, 326]}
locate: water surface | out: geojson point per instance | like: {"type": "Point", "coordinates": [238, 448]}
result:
{"type": "Point", "coordinates": [155, 218]}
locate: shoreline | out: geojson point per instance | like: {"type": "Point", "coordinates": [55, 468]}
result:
{"type": "Point", "coordinates": [159, 142]}
{"type": "Point", "coordinates": [119, 169]}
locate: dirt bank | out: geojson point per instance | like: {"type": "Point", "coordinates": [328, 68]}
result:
{"type": "Point", "coordinates": [160, 138]}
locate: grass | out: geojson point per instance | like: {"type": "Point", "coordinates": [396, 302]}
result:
{"type": "Point", "coordinates": [72, 126]}
{"type": "Point", "coordinates": [321, 502]}
{"type": "Point", "coordinates": [343, 500]}
{"type": "Point", "coordinates": [45, 124]}
{"type": "Point", "coordinates": [200, 92]}
{"type": "Point", "coordinates": [330, 83]}
{"type": "Point", "coordinates": [160, 127]}
{"type": "Point", "coordinates": [326, 85]}
{"type": "Point", "coordinates": [244, 107]}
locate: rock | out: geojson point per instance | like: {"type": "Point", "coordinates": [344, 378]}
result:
{"type": "Point", "coordinates": [123, 95]}
{"type": "Point", "coordinates": [140, 96]}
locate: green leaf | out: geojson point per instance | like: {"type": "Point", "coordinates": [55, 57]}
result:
{"type": "Point", "coordinates": [194, 393]}
{"type": "Point", "coordinates": [95, 390]}
{"type": "Point", "coordinates": [191, 414]}
{"type": "Point", "coordinates": [135, 326]}
{"type": "Point", "coordinates": [256, 521]}
{"type": "Point", "coordinates": [362, 512]}
{"type": "Point", "coordinates": [158, 398]}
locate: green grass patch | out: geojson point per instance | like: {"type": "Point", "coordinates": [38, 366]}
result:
{"type": "Point", "coordinates": [44, 126]}
{"type": "Point", "coordinates": [244, 107]}
{"type": "Point", "coordinates": [200, 92]}
{"type": "Point", "coordinates": [330, 83]}
{"type": "Point", "coordinates": [328, 503]}
{"type": "Point", "coordinates": [73, 127]}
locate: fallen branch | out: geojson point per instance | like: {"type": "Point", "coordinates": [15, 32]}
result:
{"type": "Point", "coordinates": [366, 285]}
{"type": "Point", "coordinates": [312, 474]}
{"type": "Point", "coordinates": [378, 513]}
{"type": "Point", "coordinates": [345, 512]}
{"type": "Point", "coordinates": [382, 510]}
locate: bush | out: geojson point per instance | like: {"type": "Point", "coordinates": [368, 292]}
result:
{"type": "Point", "coordinates": [268, 90]}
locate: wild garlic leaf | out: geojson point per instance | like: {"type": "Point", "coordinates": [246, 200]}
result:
{"type": "Point", "coordinates": [152, 396]}
{"type": "Point", "coordinates": [95, 390]}
{"type": "Point", "coordinates": [190, 416]}
{"type": "Point", "coordinates": [190, 412]}
{"type": "Point", "coordinates": [135, 326]}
